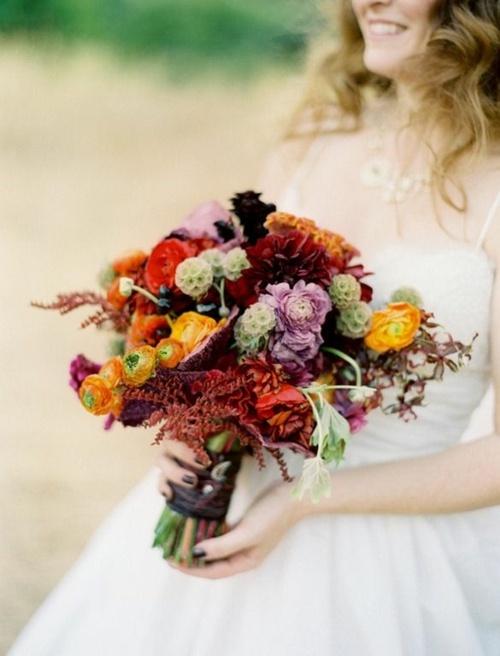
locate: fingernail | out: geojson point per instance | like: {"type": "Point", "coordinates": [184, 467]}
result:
{"type": "Point", "coordinates": [199, 552]}
{"type": "Point", "coordinates": [198, 461]}
{"type": "Point", "coordinates": [187, 478]}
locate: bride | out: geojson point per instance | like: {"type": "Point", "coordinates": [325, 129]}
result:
{"type": "Point", "coordinates": [396, 146]}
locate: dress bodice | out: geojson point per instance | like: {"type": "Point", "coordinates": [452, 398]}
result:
{"type": "Point", "coordinates": [456, 285]}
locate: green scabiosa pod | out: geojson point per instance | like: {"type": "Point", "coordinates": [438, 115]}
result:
{"type": "Point", "coordinates": [355, 320]}
{"type": "Point", "coordinates": [344, 290]}
{"type": "Point", "coordinates": [407, 295]}
{"type": "Point", "coordinates": [235, 262]}
{"type": "Point", "coordinates": [253, 328]}
{"type": "Point", "coordinates": [194, 277]}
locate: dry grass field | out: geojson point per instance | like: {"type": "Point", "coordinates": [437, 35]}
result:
{"type": "Point", "coordinates": [95, 157]}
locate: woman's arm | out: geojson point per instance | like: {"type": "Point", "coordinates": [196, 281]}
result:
{"type": "Point", "coordinates": [462, 478]}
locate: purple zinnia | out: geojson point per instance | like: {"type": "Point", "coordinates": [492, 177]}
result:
{"type": "Point", "coordinates": [300, 313]}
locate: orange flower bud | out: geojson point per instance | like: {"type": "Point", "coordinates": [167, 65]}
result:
{"type": "Point", "coordinates": [393, 328]}
{"type": "Point", "coordinates": [169, 352]}
{"type": "Point", "coordinates": [138, 365]}
{"type": "Point", "coordinates": [192, 328]}
{"type": "Point", "coordinates": [112, 371]}
{"type": "Point", "coordinates": [95, 395]}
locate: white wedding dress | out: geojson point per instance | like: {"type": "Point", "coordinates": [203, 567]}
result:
{"type": "Point", "coordinates": [336, 585]}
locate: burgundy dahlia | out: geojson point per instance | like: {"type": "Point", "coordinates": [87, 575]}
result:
{"type": "Point", "coordinates": [287, 258]}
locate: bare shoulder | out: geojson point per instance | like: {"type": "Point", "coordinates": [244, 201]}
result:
{"type": "Point", "coordinates": [492, 192]}
{"type": "Point", "coordinates": [483, 194]}
{"type": "Point", "coordinates": [281, 164]}
{"type": "Point", "coordinates": [293, 152]}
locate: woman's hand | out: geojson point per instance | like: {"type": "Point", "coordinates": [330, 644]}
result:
{"type": "Point", "coordinates": [247, 544]}
{"type": "Point", "coordinates": [171, 462]}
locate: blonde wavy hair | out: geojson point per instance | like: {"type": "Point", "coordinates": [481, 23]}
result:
{"type": "Point", "coordinates": [457, 79]}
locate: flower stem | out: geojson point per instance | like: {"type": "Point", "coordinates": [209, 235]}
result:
{"type": "Point", "coordinates": [152, 298]}
{"type": "Point", "coordinates": [145, 293]}
{"type": "Point", "coordinates": [317, 417]}
{"type": "Point", "coordinates": [346, 358]}
{"type": "Point", "coordinates": [221, 287]}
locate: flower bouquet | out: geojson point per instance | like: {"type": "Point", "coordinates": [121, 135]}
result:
{"type": "Point", "coordinates": [248, 331]}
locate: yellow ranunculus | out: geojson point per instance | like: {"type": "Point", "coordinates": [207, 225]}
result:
{"type": "Point", "coordinates": [192, 328]}
{"type": "Point", "coordinates": [138, 365]}
{"type": "Point", "coordinates": [393, 328]}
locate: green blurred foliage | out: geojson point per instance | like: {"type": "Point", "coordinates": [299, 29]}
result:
{"type": "Point", "coordinates": [232, 34]}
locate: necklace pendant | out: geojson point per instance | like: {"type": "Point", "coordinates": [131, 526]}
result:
{"type": "Point", "coordinates": [395, 187]}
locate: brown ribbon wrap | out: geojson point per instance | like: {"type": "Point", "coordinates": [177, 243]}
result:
{"type": "Point", "coordinates": [211, 497]}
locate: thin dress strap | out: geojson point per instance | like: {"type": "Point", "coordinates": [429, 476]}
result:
{"type": "Point", "coordinates": [489, 220]}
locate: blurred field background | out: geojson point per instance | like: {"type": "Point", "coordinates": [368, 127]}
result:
{"type": "Point", "coordinates": [116, 119]}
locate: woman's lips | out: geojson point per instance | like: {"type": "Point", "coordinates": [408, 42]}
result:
{"type": "Point", "coordinates": [383, 28]}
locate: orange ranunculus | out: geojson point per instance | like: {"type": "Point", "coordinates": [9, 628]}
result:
{"type": "Point", "coordinates": [96, 395]}
{"type": "Point", "coordinates": [138, 365]}
{"type": "Point", "coordinates": [117, 403]}
{"type": "Point", "coordinates": [169, 352]}
{"type": "Point", "coordinates": [129, 262]}
{"type": "Point", "coordinates": [112, 371]}
{"type": "Point", "coordinates": [147, 329]}
{"type": "Point", "coordinates": [192, 328]}
{"type": "Point", "coordinates": [393, 328]}
{"type": "Point", "coordinates": [114, 296]}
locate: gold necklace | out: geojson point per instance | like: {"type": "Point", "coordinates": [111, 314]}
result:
{"type": "Point", "coordinates": [379, 173]}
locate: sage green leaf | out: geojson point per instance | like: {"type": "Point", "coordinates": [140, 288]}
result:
{"type": "Point", "coordinates": [331, 433]}
{"type": "Point", "coordinates": [316, 478]}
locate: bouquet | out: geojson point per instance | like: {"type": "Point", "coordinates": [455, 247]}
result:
{"type": "Point", "coordinates": [250, 330]}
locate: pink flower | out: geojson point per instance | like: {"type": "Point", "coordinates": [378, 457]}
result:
{"type": "Point", "coordinates": [211, 220]}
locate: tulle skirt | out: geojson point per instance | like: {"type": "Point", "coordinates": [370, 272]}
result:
{"type": "Point", "coordinates": [335, 585]}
